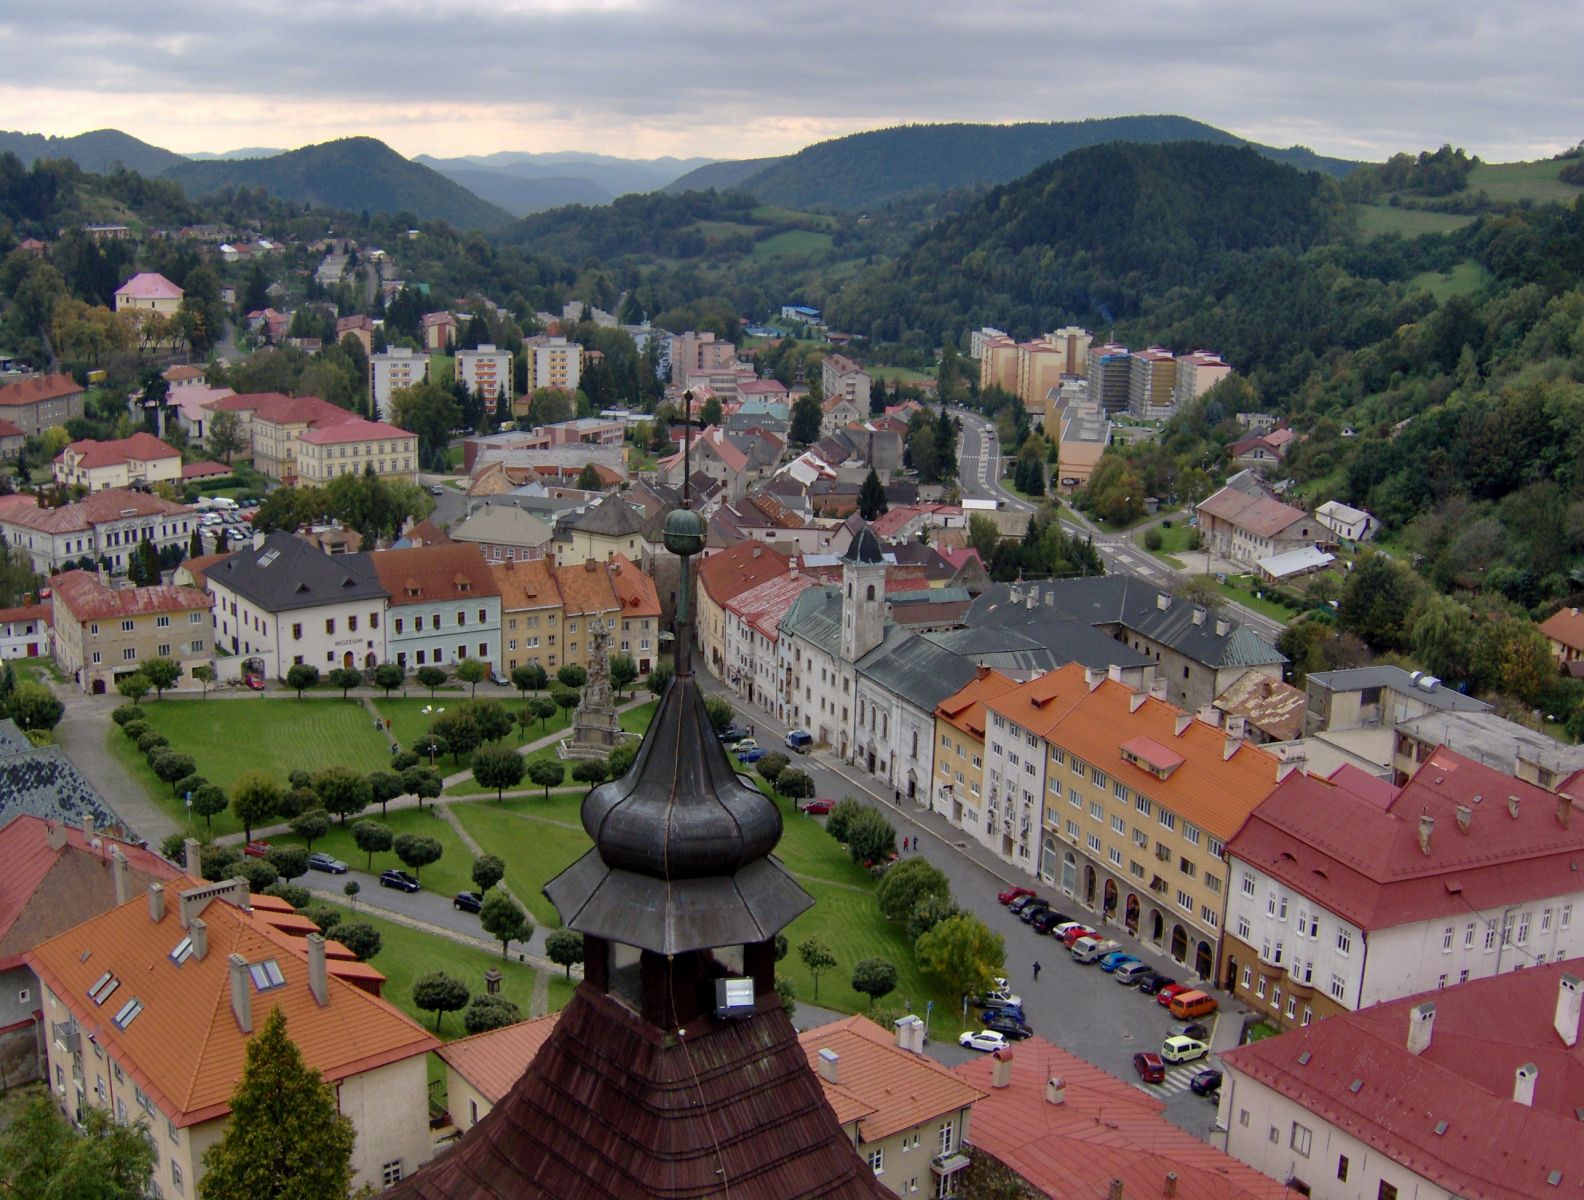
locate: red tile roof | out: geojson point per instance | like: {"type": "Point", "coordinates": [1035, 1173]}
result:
{"type": "Point", "coordinates": [98, 508]}
{"type": "Point", "coordinates": [88, 599]}
{"type": "Point", "coordinates": [1103, 1129]}
{"type": "Point", "coordinates": [636, 591]}
{"type": "Point", "coordinates": [494, 1061]}
{"type": "Point", "coordinates": [10, 429]}
{"type": "Point", "coordinates": [1566, 625]}
{"type": "Point", "coordinates": [965, 707]}
{"type": "Point", "coordinates": [1259, 515]}
{"type": "Point", "coordinates": [1355, 1071]}
{"type": "Point", "coordinates": [763, 605]}
{"type": "Point", "coordinates": [1363, 861]}
{"type": "Point", "coordinates": [357, 429]}
{"type": "Point", "coordinates": [278, 409]}
{"type": "Point", "coordinates": [446, 571]}
{"type": "Point", "coordinates": [732, 572]}
{"type": "Point", "coordinates": [140, 447]}
{"type": "Point", "coordinates": [26, 612]}
{"type": "Point", "coordinates": [207, 469]}
{"type": "Point", "coordinates": [149, 285]}
{"type": "Point", "coordinates": [39, 388]}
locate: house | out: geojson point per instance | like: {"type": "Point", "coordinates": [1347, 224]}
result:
{"type": "Point", "coordinates": [956, 787]}
{"type": "Point", "coordinates": [286, 603]}
{"type": "Point", "coordinates": [1460, 873]}
{"type": "Point", "coordinates": [604, 529]}
{"type": "Point", "coordinates": [1346, 523]}
{"type": "Point", "coordinates": [1270, 710]}
{"type": "Point", "coordinates": [531, 614]}
{"type": "Point", "coordinates": [95, 466]}
{"type": "Point", "coordinates": [487, 373]}
{"type": "Point", "coordinates": [1262, 451]}
{"type": "Point", "coordinates": [389, 372]}
{"type": "Point", "coordinates": [103, 634]}
{"type": "Point", "coordinates": [840, 376]}
{"type": "Point", "coordinates": [439, 332]}
{"type": "Point", "coordinates": [839, 411]}
{"type": "Point", "coordinates": [58, 874]}
{"type": "Point", "coordinates": [25, 631]}
{"type": "Point", "coordinates": [190, 403]}
{"type": "Point", "coordinates": [124, 992]}
{"type": "Point", "coordinates": [443, 605]}
{"type": "Point", "coordinates": [353, 446]}
{"type": "Point", "coordinates": [1509, 747]}
{"type": "Point", "coordinates": [753, 620]}
{"type": "Point", "coordinates": [12, 439]}
{"type": "Point", "coordinates": [1083, 433]}
{"type": "Point", "coordinates": [1069, 1129]}
{"type": "Point", "coordinates": [1564, 630]}
{"type": "Point", "coordinates": [360, 326]}
{"type": "Point", "coordinates": [41, 403]}
{"type": "Point", "coordinates": [1465, 1092]}
{"type": "Point", "coordinates": [589, 602]}
{"type": "Point", "coordinates": [714, 456]}
{"type": "Point", "coordinates": [722, 578]}
{"type": "Point", "coordinates": [272, 422]}
{"type": "Point", "coordinates": [148, 291]}
{"type": "Point", "coordinates": [505, 532]}
{"type": "Point", "coordinates": [1246, 528]}
{"type": "Point", "coordinates": [699, 354]}
{"type": "Point", "coordinates": [638, 635]}
{"type": "Point", "coordinates": [103, 527]}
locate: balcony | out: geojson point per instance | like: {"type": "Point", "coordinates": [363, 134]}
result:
{"type": "Point", "coordinates": [67, 1036]}
{"type": "Point", "coordinates": [948, 1164]}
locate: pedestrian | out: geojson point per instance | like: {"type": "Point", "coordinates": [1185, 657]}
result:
{"type": "Point", "coordinates": [387, 724]}
{"type": "Point", "coordinates": [1036, 970]}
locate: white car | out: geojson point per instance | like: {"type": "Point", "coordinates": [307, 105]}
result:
{"type": "Point", "coordinates": [1001, 993]}
{"type": "Point", "coordinates": [984, 1039]}
{"type": "Point", "coordinates": [1179, 1049]}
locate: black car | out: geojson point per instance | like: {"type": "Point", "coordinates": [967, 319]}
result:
{"type": "Point", "coordinates": [1021, 903]}
{"type": "Point", "coordinates": [1032, 909]}
{"type": "Point", "coordinates": [400, 879]}
{"type": "Point", "coordinates": [1009, 1027]}
{"type": "Point", "coordinates": [1153, 983]}
{"type": "Point", "coordinates": [1047, 919]}
{"type": "Point", "coordinates": [318, 861]}
{"type": "Point", "coordinates": [1206, 1082]}
{"type": "Point", "coordinates": [1198, 1030]}
{"type": "Point", "coordinates": [733, 734]}
{"type": "Point", "coordinates": [468, 901]}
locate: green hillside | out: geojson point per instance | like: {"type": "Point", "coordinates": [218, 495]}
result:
{"type": "Point", "coordinates": [352, 174]}
{"type": "Point", "coordinates": [95, 152]}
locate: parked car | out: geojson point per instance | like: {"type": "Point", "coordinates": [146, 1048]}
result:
{"type": "Point", "coordinates": [751, 756]}
{"type": "Point", "coordinates": [499, 679]}
{"type": "Point", "coordinates": [1206, 1082]}
{"type": "Point", "coordinates": [1032, 909]}
{"type": "Point", "coordinates": [1197, 1030]}
{"type": "Point", "coordinates": [400, 879]}
{"type": "Point", "coordinates": [1166, 994]}
{"type": "Point", "coordinates": [254, 681]}
{"type": "Point", "coordinates": [256, 849]}
{"type": "Point", "coordinates": [1046, 920]}
{"type": "Point", "coordinates": [1075, 932]}
{"type": "Point", "coordinates": [1149, 1067]}
{"type": "Point", "coordinates": [1092, 949]}
{"type": "Point", "coordinates": [1009, 1027]}
{"type": "Point", "coordinates": [320, 861]}
{"type": "Point", "coordinates": [1022, 902]}
{"type": "Point", "coordinates": [1059, 930]}
{"type": "Point", "coordinates": [468, 901]}
{"type": "Point", "coordinates": [1183, 1049]}
{"type": "Point", "coordinates": [800, 740]}
{"type": "Point", "coordinates": [733, 734]}
{"type": "Point", "coordinates": [1114, 960]}
{"type": "Point", "coordinates": [818, 808]}
{"type": "Point", "coordinates": [1007, 895]}
{"type": "Point", "coordinates": [984, 1039]}
{"type": "Point", "coordinates": [436, 489]}
{"type": "Point", "coordinates": [1153, 982]}
{"type": "Point", "coordinates": [1000, 993]}
{"type": "Point", "coordinates": [1010, 1012]}
{"type": "Point", "coordinates": [1130, 973]}
{"type": "Point", "coordinates": [745, 745]}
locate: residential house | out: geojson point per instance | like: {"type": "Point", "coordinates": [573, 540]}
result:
{"type": "Point", "coordinates": [896, 686]}
{"type": "Point", "coordinates": [699, 354]}
{"type": "Point", "coordinates": [443, 605]}
{"type": "Point", "coordinates": [715, 457]}
{"type": "Point", "coordinates": [95, 466]}
{"type": "Point", "coordinates": [285, 602]}
{"type": "Point", "coordinates": [1069, 1129]}
{"type": "Point", "coordinates": [1246, 528]}
{"type": "Point", "coordinates": [487, 373]}
{"type": "Point", "coordinates": [839, 411]}
{"type": "Point", "coordinates": [753, 620]}
{"type": "Point", "coordinates": [1350, 892]}
{"type": "Point", "coordinates": [1042, 364]}
{"type": "Point", "coordinates": [1564, 630]}
{"type": "Point", "coordinates": [998, 362]}
{"type": "Point", "coordinates": [124, 992]}
{"type": "Point", "coordinates": [1262, 451]}
{"type": "Point", "coordinates": [505, 532]}
{"type": "Point", "coordinates": [41, 403]}
{"type": "Point", "coordinates": [1135, 800]}
{"type": "Point", "coordinates": [638, 635]}
{"type": "Point", "coordinates": [722, 578]}
{"type": "Point", "coordinates": [12, 439]}
{"type": "Point", "coordinates": [272, 423]}
{"type": "Point", "coordinates": [148, 291]}
{"type": "Point", "coordinates": [1346, 523]}
{"type": "Point", "coordinates": [840, 376]}
{"type": "Point", "coordinates": [351, 447]}
{"type": "Point", "coordinates": [25, 631]}
{"type": "Point", "coordinates": [481, 1069]}
{"type": "Point", "coordinates": [439, 331]}
{"type": "Point", "coordinates": [191, 406]}
{"type": "Point", "coordinates": [103, 527]}
{"type": "Point", "coordinates": [531, 614]}
{"type": "Point", "coordinates": [397, 368]}
{"type": "Point", "coordinates": [58, 874]}
{"type": "Point", "coordinates": [1271, 711]}
{"type": "Point", "coordinates": [103, 634]}
{"type": "Point", "coordinates": [359, 325]}
{"type": "Point", "coordinates": [553, 362]}
{"type": "Point", "coordinates": [1458, 1093]}
{"type": "Point", "coordinates": [957, 786]}
{"type": "Point", "coordinates": [609, 527]}
{"type": "Point", "coordinates": [1197, 373]}
{"type": "Point", "coordinates": [589, 602]}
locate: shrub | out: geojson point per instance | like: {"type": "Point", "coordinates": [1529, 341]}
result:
{"type": "Point", "coordinates": [151, 741]}
{"type": "Point", "coordinates": [772, 764]}
{"type": "Point", "coordinates": [870, 837]}
{"type": "Point", "coordinates": [135, 729]}
{"type": "Point", "coordinates": [794, 784]}
{"type": "Point", "coordinates": [841, 815]}
{"type": "Point", "coordinates": [1153, 539]}
{"type": "Point", "coordinates": [127, 712]}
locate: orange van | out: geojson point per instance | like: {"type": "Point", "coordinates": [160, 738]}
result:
{"type": "Point", "coordinates": [1190, 1006]}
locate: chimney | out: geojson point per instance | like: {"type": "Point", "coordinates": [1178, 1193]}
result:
{"type": "Point", "coordinates": [1512, 807]}
{"type": "Point", "coordinates": [1465, 818]}
{"type": "Point", "coordinates": [1114, 1191]}
{"type": "Point", "coordinates": [1157, 689]}
{"type": "Point", "coordinates": [1223, 627]}
{"type": "Point", "coordinates": [1163, 601]}
{"type": "Point", "coordinates": [1237, 727]}
{"type": "Point", "coordinates": [1230, 747]}
{"type": "Point", "coordinates": [88, 829]}
{"type": "Point", "coordinates": [1055, 1090]}
{"type": "Point", "coordinates": [55, 835]}
{"type": "Point", "coordinates": [1001, 1069]}
{"type": "Point", "coordinates": [123, 877]}
{"type": "Point", "coordinates": [1015, 593]}
{"type": "Point", "coordinates": [1114, 672]}
{"type": "Point", "coordinates": [1210, 715]}
{"type": "Point", "coordinates": [1421, 1023]}
{"type": "Point", "coordinates": [1524, 1084]}
{"type": "Point", "coordinates": [1567, 1009]}
{"type": "Point", "coordinates": [828, 1059]}
{"type": "Point", "coordinates": [192, 859]}
{"type": "Point", "coordinates": [1183, 721]}
{"type": "Point", "coordinates": [318, 982]}
{"type": "Point", "coordinates": [1199, 615]}
{"type": "Point", "coordinates": [1136, 701]}
{"type": "Point", "coordinates": [1426, 828]}
{"type": "Point", "coordinates": [241, 996]}
{"type": "Point", "coordinates": [1093, 677]}
{"type": "Point", "coordinates": [198, 933]}
{"type": "Point", "coordinates": [1171, 1184]}
{"type": "Point", "coordinates": [156, 895]}
{"type": "Point", "coordinates": [1564, 808]}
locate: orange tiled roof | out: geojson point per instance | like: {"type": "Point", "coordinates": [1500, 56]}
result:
{"type": "Point", "coordinates": [586, 588]}
{"type": "Point", "coordinates": [494, 1061]}
{"type": "Point", "coordinates": [635, 590]}
{"type": "Point", "coordinates": [1215, 791]}
{"type": "Point", "coordinates": [185, 1048]}
{"type": "Point", "coordinates": [436, 572]}
{"type": "Point", "coordinates": [1566, 625]}
{"type": "Point", "coordinates": [140, 447]}
{"type": "Point", "coordinates": [965, 708]}
{"type": "Point", "coordinates": [523, 585]}
{"type": "Point", "coordinates": [87, 598]}
{"type": "Point", "coordinates": [732, 572]}
{"type": "Point", "coordinates": [39, 388]}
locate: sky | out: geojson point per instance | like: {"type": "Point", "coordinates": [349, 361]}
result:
{"type": "Point", "coordinates": [648, 78]}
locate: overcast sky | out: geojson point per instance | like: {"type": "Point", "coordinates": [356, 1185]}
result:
{"type": "Point", "coordinates": [644, 78]}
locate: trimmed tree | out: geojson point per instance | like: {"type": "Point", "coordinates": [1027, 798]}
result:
{"type": "Point", "coordinates": [504, 919]}
{"type": "Point", "coordinates": [565, 698]}
{"type": "Point", "coordinates": [162, 673]}
{"type": "Point", "coordinates": [438, 993]}
{"type": "Point", "coordinates": [547, 773]}
{"type": "Point", "coordinates": [621, 758]}
{"type": "Point", "coordinates": [431, 678]}
{"type": "Point", "coordinates": [204, 674]}
{"type": "Point", "coordinates": [590, 771]}
{"type": "Point", "coordinates": [906, 884]}
{"type": "Point", "coordinates": [659, 675]}
{"type": "Point", "coordinates": [498, 767]}
{"type": "Point", "coordinates": [544, 708]}
{"type": "Point", "coordinates": [34, 706]}
{"type": "Point", "coordinates": [134, 686]}
{"type": "Point", "coordinates": [874, 977]}
{"type": "Point", "coordinates": [623, 672]}
{"type": "Point", "coordinates": [209, 802]}
{"type": "Point", "coordinates": [343, 792]}
{"type": "Point", "coordinates": [289, 861]}
{"type": "Point", "coordinates": [488, 870]}
{"type": "Point", "coordinates": [358, 936]}
{"type": "Point", "coordinates": [422, 782]}
{"type": "Point", "coordinates": [572, 676]}
{"type": "Point", "coordinates": [344, 678]}
{"type": "Point", "coordinates": [794, 784]}
{"type": "Point", "coordinates": [870, 837]}
{"type": "Point", "coordinates": [311, 825]}
{"type": "Point", "coordinates": [565, 948]}
{"type": "Point", "coordinates": [720, 713]}
{"type": "Point", "coordinates": [385, 786]}
{"type": "Point", "coordinates": [417, 851]}
{"type": "Point", "coordinates": [372, 838]}
{"type": "Point", "coordinates": [771, 765]}
{"type": "Point", "coordinates": [300, 676]}
{"type": "Point", "coordinates": [961, 954]}
{"type": "Point", "coordinates": [258, 873]}
{"type": "Point", "coordinates": [490, 1012]}
{"type": "Point", "coordinates": [841, 816]}
{"type": "Point", "coordinates": [388, 676]}
{"type": "Point", "coordinates": [471, 672]}
{"type": "Point", "coordinates": [254, 799]}
{"type": "Point", "coordinates": [817, 957]}
{"type": "Point", "coordinates": [529, 678]}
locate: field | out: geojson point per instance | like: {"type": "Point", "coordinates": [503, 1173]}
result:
{"type": "Point", "coordinates": [1240, 589]}
{"type": "Point", "coordinates": [900, 374]}
{"type": "Point", "coordinates": [1462, 280]}
{"type": "Point", "coordinates": [773, 213]}
{"type": "Point", "coordinates": [1378, 219]}
{"type": "Point", "coordinates": [1516, 182]}
{"type": "Point", "coordinates": [792, 242]}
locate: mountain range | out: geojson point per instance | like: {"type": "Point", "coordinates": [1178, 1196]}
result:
{"type": "Point", "coordinates": [524, 183]}
{"type": "Point", "coordinates": [95, 152]}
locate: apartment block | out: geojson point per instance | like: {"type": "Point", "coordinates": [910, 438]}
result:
{"type": "Point", "coordinates": [487, 373]}
{"type": "Point", "coordinates": [399, 367]}
{"type": "Point", "coordinates": [103, 527]}
{"type": "Point", "coordinates": [353, 446]}
{"type": "Point", "coordinates": [699, 354]}
{"type": "Point", "coordinates": [841, 376]}
{"type": "Point", "coordinates": [1152, 376]}
{"type": "Point", "coordinates": [553, 362]}
{"type": "Point", "coordinates": [998, 363]}
{"type": "Point", "coordinates": [1110, 372]}
{"type": "Point", "coordinates": [1197, 373]}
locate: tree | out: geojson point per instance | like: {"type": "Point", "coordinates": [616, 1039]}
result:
{"type": "Point", "coordinates": [841, 816]}
{"type": "Point", "coordinates": [588, 478]}
{"type": "Point", "coordinates": [491, 718]}
{"type": "Point", "coordinates": [170, 767]}
{"type": "Point", "coordinates": [388, 676]}
{"type": "Point", "coordinates": [300, 676]}
{"type": "Point", "coordinates": [620, 760]}
{"type": "Point", "coordinates": [224, 436]}
{"type": "Point", "coordinates": [293, 893]}
{"type": "Point", "coordinates": [906, 884]}
{"type": "Point", "coordinates": [874, 977]}
{"type": "Point", "coordinates": [870, 837]}
{"type": "Point", "coordinates": [961, 954]}
{"type": "Point", "coordinates": [289, 861]}
{"type": "Point", "coordinates": [488, 870]}
{"type": "Point", "coordinates": [710, 412]}
{"type": "Point", "coordinates": [659, 675]}
{"type": "Point", "coordinates": [209, 802]}
{"type": "Point", "coordinates": [471, 672]}
{"type": "Point", "coordinates": [806, 414]}
{"type": "Point", "coordinates": [572, 676]}
{"type": "Point", "coordinates": [1377, 600]}
{"type": "Point", "coordinates": [438, 993]}
{"type": "Point", "coordinates": [429, 411]}
{"type": "Point", "coordinates": [530, 677]}
{"type": "Point", "coordinates": [543, 707]}
{"type": "Point", "coordinates": [311, 825]}
{"type": "Point", "coordinates": [431, 678]}
{"type": "Point", "coordinates": [344, 678]}
{"type": "Point", "coordinates": [498, 767]}
{"type": "Point", "coordinates": [121, 716]}
{"type": "Point", "coordinates": [794, 784]}
{"type": "Point", "coordinates": [871, 497]}
{"type": "Point", "coordinates": [590, 771]}
{"type": "Point", "coordinates": [258, 873]}
{"type": "Point", "coordinates": [162, 673]}
{"type": "Point", "coordinates": [817, 957]}
{"type": "Point", "coordinates": [490, 1012]}
{"type": "Point", "coordinates": [43, 1156]}
{"type": "Point", "coordinates": [343, 792]}
{"type": "Point", "coordinates": [417, 851]}
{"type": "Point", "coordinates": [623, 672]}
{"type": "Point", "coordinates": [928, 913]}
{"type": "Point", "coordinates": [204, 674]}
{"type": "Point", "coordinates": [254, 798]}
{"type": "Point", "coordinates": [504, 919]}
{"type": "Point", "coordinates": [565, 698]}
{"type": "Point", "coordinates": [32, 706]}
{"type": "Point", "coordinates": [720, 712]}
{"type": "Point", "coordinates": [385, 786]}
{"type": "Point", "coordinates": [565, 948]}
{"type": "Point", "coordinates": [372, 838]}
{"type": "Point", "coordinates": [984, 535]}
{"type": "Point", "coordinates": [459, 730]}
{"type": "Point", "coordinates": [547, 773]}
{"type": "Point", "coordinates": [358, 936]}
{"type": "Point", "coordinates": [422, 782]}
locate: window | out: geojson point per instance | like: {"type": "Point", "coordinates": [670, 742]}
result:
{"type": "Point", "coordinates": [297, 631]}
{"type": "Point", "coordinates": [1093, 843]}
{"type": "Point", "coordinates": [1213, 882]}
{"type": "Point", "coordinates": [391, 1172]}
{"type": "Point", "coordinates": [176, 1175]}
{"type": "Point", "coordinates": [1567, 916]}
{"type": "Point", "coordinates": [1344, 941]}
{"type": "Point", "coordinates": [1281, 909]}
{"type": "Point", "coordinates": [164, 649]}
{"type": "Point", "coordinates": [1142, 804]}
{"type": "Point", "coordinates": [483, 616]}
{"type": "Point", "coordinates": [1259, 988]}
{"type": "Point", "coordinates": [1115, 856]}
{"type": "Point", "coordinates": [170, 1131]}
{"type": "Point", "coordinates": [96, 657]}
{"type": "Point", "coordinates": [877, 1160]}
{"type": "Point", "coordinates": [1248, 883]}
{"type": "Point", "coordinates": [1184, 901]}
{"type": "Point", "coordinates": [126, 626]}
{"type": "Point", "coordinates": [129, 654]}
{"type": "Point", "coordinates": [352, 624]}
{"type": "Point", "coordinates": [1248, 976]}
{"type": "Point", "coordinates": [1243, 929]}
{"type": "Point", "coordinates": [1338, 986]}
{"type": "Point", "coordinates": [1187, 868]}
{"type": "Point", "coordinates": [1545, 920]}
{"type": "Point", "coordinates": [1168, 820]}
{"type": "Point", "coordinates": [1140, 838]}
{"type": "Point", "coordinates": [1077, 768]}
{"type": "Point", "coordinates": [1191, 832]}
{"type": "Point", "coordinates": [1523, 929]}
{"type": "Point", "coordinates": [1292, 1007]}
{"type": "Point", "coordinates": [1490, 937]}
{"type": "Point", "coordinates": [1217, 849]}
{"type": "Point", "coordinates": [1463, 975]}
{"type": "Point", "coordinates": [398, 624]}
{"type": "Point", "coordinates": [1342, 1166]}
{"type": "Point", "coordinates": [194, 618]}
{"type": "Point", "coordinates": [1058, 755]}
{"type": "Point", "coordinates": [1387, 1191]}
{"type": "Point", "coordinates": [162, 622]}
{"type": "Point", "coordinates": [1208, 916]}
{"type": "Point", "coordinates": [1446, 945]}
{"type": "Point", "coordinates": [1099, 777]}
{"type": "Point", "coordinates": [1095, 811]}
{"type": "Point", "coordinates": [946, 1138]}
{"type": "Point", "coordinates": [329, 625]}
{"type": "Point", "coordinates": [1118, 825]}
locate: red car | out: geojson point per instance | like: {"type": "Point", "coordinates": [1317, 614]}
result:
{"type": "Point", "coordinates": [256, 849]}
{"type": "Point", "coordinates": [1164, 996]}
{"type": "Point", "coordinates": [1012, 893]}
{"type": "Point", "coordinates": [1076, 932]}
{"type": "Point", "coordinates": [256, 682]}
{"type": "Point", "coordinates": [817, 808]}
{"type": "Point", "coordinates": [1150, 1067]}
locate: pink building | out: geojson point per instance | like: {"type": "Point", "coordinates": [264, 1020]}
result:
{"type": "Point", "coordinates": [439, 331]}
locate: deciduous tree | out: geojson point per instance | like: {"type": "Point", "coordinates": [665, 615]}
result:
{"type": "Point", "coordinates": [311, 826]}
{"type": "Point", "coordinates": [498, 767]}
{"type": "Point", "coordinates": [547, 773]}
{"type": "Point", "coordinates": [344, 678]}
{"type": "Point", "coordinates": [961, 954]}
{"type": "Point", "coordinates": [372, 838]}
{"type": "Point", "coordinates": [417, 851]}
{"type": "Point", "coordinates": [488, 870]}
{"type": "Point", "coordinates": [874, 977]}
{"type": "Point", "coordinates": [623, 672]}
{"type": "Point", "coordinates": [388, 676]}
{"type": "Point", "coordinates": [565, 948]}
{"type": "Point", "coordinates": [162, 673]}
{"type": "Point", "coordinates": [343, 792]}
{"type": "Point", "coordinates": [439, 993]}
{"type": "Point", "coordinates": [504, 919]}
{"type": "Point", "coordinates": [300, 676]}
{"type": "Point", "coordinates": [817, 957]}
{"type": "Point", "coordinates": [906, 884]}
{"type": "Point", "coordinates": [254, 799]}
{"type": "Point", "coordinates": [471, 672]}
{"type": "Point", "coordinates": [43, 1156]}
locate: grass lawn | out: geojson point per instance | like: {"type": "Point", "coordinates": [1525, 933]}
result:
{"type": "Point", "coordinates": [409, 723]}
{"type": "Point", "coordinates": [792, 242]}
{"type": "Point", "coordinates": [442, 369]}
{"type": "Point", "coordinates": [1378, 219]}
{"type": "Point", "coordinates": [900, 374]}
{"type": "Point", "coordinates": [454, 456]}
{"type": "Point", "coordinates": [773, 213]}
{"type": "Point", "coordinates": [1513, 182]}
{"type": "Point", "coordinates": [450, 875]}
{"type": "Point", "coordinates": [1240, 588]}
{"type": "Point", "coordinates": [636, 720]}
{"type": "Point", "coordinates": [1462, 280]}
{"type": "Point", "coordinates": [36, 670]}
{"type": "Point", "coordinates": [534, 850]}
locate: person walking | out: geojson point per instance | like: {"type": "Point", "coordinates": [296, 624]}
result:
{"type": "Point", "coordinates": [1036, 970]}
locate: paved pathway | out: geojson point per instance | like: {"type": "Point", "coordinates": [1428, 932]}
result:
{"type": "Point", "coordinates": [84, 734]}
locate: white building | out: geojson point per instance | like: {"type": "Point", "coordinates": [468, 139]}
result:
{"type": "Point", "coordinates": [1348, 523]}
{"type": "Point", "coordinates": [555, 362]}
{"type": "Point", "coordinates": [487, 373]}
{"type": "Point", "coordinates": [25, 631]}
{"type": "Point", "coordinates": [398, 367]}
{"type": "Point", "coordinates": [104, 527]}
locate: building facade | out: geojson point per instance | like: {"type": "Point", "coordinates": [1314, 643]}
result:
{"type": "Point", "coordinates": [444, 605]}
{"type": "Point", "coordinates": [353, 446]}
{"type": "Point", "coordinates": [104, 527]}
{"type": "Point", "coordinates": [398, 367]}
{"type": "Point", "coordinates": [103, 634]}
{"type": "Point", "coordinates": [487, 373]}
{"type": "Point", "coordinates": [42, 402]}
{"type": "Point", "coordinates": [554, 362]}
{"type": "Point", "coordinates": [95, 466]}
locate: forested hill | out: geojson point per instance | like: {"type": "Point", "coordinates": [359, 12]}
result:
{"type": "Point", "coordinates": [96, 152]}
{"type": "Point", "coordinates": [1090, 237]}
{"type": "Point", "coordinates": [866, 169]}
{"type": "Point", "coordinates": [352, 174]}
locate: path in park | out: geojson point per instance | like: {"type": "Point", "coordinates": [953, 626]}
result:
{"type": "Point", "coordinates": [84, 734]}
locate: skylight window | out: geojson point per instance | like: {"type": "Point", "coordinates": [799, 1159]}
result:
{"type": "Point", "coordinates": [100, 992]}
{"type": "Point", "coordinates": [267, 975]}
{"type": "Point", "coordinates": [183, 951]}
{"type": "Point", "coordinates": [268, 557]}
{"type": "Point", "coordinates": [128, 1013]}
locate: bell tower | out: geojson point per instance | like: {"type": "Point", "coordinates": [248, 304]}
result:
{"type": "Point", "coordinates": [863, 596]}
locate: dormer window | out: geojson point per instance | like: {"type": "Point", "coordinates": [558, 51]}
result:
{"type": "Point", "coordinates": [266, 975]}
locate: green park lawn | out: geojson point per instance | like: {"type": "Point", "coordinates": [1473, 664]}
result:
{"type": "Point", "coordinates": [792, 242]}
{"type": "Point", "coordinates": [409, 722]}
{"type": "Point", "coordinates": [450, 874]}
{"type": "Point", "coordinates": [1240, 588]}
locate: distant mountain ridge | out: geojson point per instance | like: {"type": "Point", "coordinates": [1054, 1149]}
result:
{"type": "Point", "coordinates": [864, 169]}
{"type": "Point", "coordinates": [243, 152]}
{"type": "Point", "coordinates": [612, 177]}
{"type": "Point", "coordinates": [523, 197]}
{"type": "Point", "coordinates": [96, 151]}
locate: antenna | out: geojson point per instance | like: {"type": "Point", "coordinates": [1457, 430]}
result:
{"type": "Point", "coordinates": [687, 444]}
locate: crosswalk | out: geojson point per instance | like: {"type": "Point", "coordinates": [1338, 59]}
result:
{"type": "Point", "coordinates": [1177, 1080]}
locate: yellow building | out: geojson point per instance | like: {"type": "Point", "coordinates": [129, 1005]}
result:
{"type": "Point", "coordinates": [530, 614]}
{"type": "Point", "coordinates": [348, 447]}
{"type": "Point", "coordinates": [554, 362]}
{"type": "Point", "coordinates": [998, 364]}
{"type": "Point", "coordinates": [959, 747]}
{"type": "Point", "coordinates": [148, 292]}
{"type": "Point", "coordinates": [104, 633]}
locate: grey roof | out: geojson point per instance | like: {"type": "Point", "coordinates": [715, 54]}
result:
{"type": "Point", "coordinates": [1130, 603]}
{"type": "Point", "coordinates": [1353, 678]}
{"type": "Point", "coordinates": [41, 781]}
{"type": "Point", "coordinates": [503, 524]}
{"type": "Point", "coordinates": [611, 517]}
{"type": "Point", "coordinates": [919, 670]}
{"type": "Point", "coordinates": [1494, 741]}
{"type": "Point", "coordinates": [865, 548]}
{"type": "Point", "coordinates": [287, 573]}
{"type": "Point", "coordinates": [815, 616]}
{"type": "Point", "coordinates": [1051, 645]}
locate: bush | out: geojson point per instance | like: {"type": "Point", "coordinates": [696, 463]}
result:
{"type": "Point", "coordinates": [621, 758]}
{"type": "Point", "coordinates": [870, 837]}
{"type": "Point", "coordinates": [490, 1012]}
{"type": "Point", "coordinates": [911, 881]}
{"type": "Point", "coordinates": [151, 741]}
{"type": "Point", "coordinates": [135, 729]}
{"type": "Point", "coordinates": [127, 712]}
{"type": "Point", "coordinates": [293, 893]}
{"type": "Point", "coordinates": [1153, 539]}
{"type": "Point", "coordinates": [326, 916]}
{"type": "Point", "coordinates": [794, 784]}
{"type": "Point", "coordinates": [1194, 539]}
{"type": "Point", "coordinates": [771, 766]}
{"type": "Point", "coordinates": [842, 815]}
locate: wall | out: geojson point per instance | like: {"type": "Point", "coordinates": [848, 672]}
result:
{"type": "Point", "coordinates": [390, 1108]}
